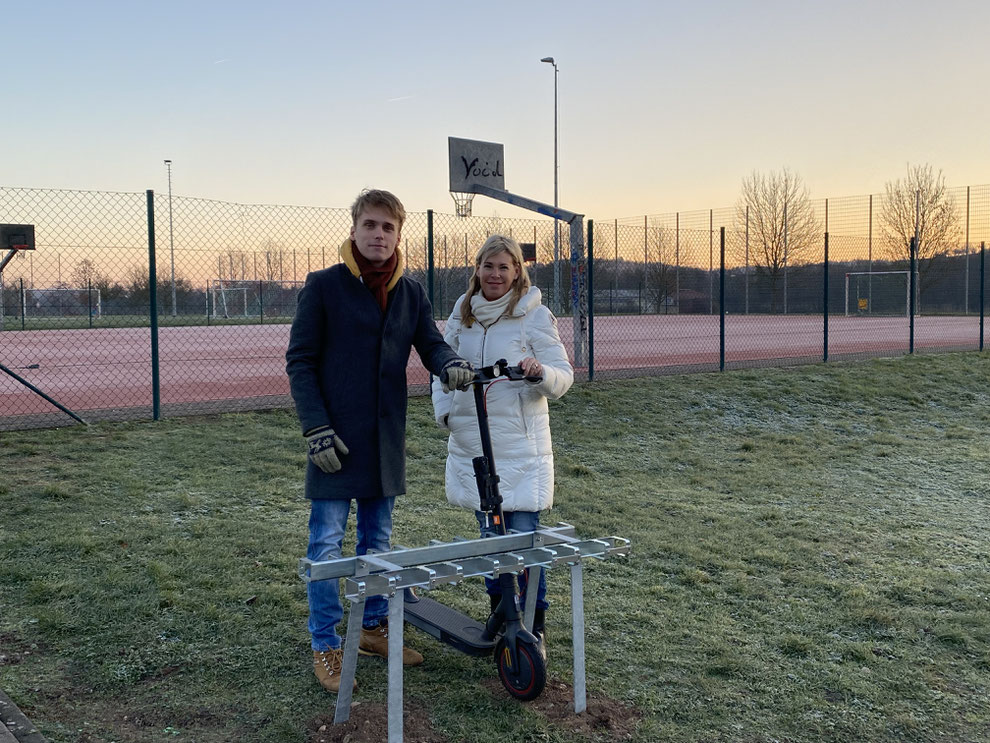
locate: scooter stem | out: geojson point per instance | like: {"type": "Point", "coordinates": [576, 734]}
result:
{"type": "Point", "coordinates": [491, 486]}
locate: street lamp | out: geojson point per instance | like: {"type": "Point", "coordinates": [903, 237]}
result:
{"type": "Point", "coordinates": [556, 224]}
{"type": "Point", "coordinates": [171, 244]}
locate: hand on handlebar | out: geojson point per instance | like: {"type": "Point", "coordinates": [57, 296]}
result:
{"type": "Point", "coordinates": [457, 375]}
{"type": "Point", "coordinates": [531, 368]}
{"type": "Point", "coordinates": [501, 368]}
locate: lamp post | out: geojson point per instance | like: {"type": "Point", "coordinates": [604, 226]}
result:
{"type": "Point", "coordinates": [556, 224]}
{"type": "Point", "coordinates": [171, 244]}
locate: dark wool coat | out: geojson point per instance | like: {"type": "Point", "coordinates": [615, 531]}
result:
{"type": "Point", "coordinates": [347, 369]}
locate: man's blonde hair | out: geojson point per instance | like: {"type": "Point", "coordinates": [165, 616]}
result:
{"type": "Point", "coordinates": [371, 197]}
{"type": "Point", "coordinates": [493, 246]}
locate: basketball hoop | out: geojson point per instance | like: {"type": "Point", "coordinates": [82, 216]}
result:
{"type": "Point", "coordinates": [462, 203]}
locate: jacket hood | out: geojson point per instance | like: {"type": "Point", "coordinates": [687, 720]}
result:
{"type": "Point", "coordinates": [347, 255]}
{"type": "Point", "coordinates": [528, 302]}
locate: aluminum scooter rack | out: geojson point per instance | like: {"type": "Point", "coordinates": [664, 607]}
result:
{"type": "Point", "coordinates": [449, 563]}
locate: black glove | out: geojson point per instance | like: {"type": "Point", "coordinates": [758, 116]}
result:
{"type": "Point", "coordinates": [323, 447]}
{"type": "Point", "coordinates": [457, 375]}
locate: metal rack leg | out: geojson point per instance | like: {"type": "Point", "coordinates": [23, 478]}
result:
{"type": "Point", "coordinates": [532, 583]}
{"type": "Point", "coordinates": [395, 620]}
{"type": "Point", "coordinates": [577, 629]}
{"type": "Point", "coordinates": [348, 668]}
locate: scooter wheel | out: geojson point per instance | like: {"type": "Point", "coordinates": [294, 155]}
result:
{"type": "Point", "coordinates": [525, 682]}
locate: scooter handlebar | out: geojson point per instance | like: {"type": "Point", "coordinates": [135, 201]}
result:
{"type": "Point", "coordinates": [501, 368]}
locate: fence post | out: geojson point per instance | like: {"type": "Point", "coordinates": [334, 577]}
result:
{"type": "Point", "coordinates": [911, 298]}
{"type": "Point", "coordinates": [785, 257]}
{"type": "Point", "coordinates": [721, 299]}
{"type": "Point", "coordinates": [983, 254]}
{"type": "Point", "coordinates": [825, 290]}
{"type": "Point", "coordinates": [89, 299]}
{"type": "Point", "coordinates": [677, 258]}
{"type": "Point", "coordinates": [711, 236]}
{"type": "Point", "coordinates": [23, 306]}
{"type": "Point", "coordinates": [429, 261]}
{"type": "Point", "coordinates": [746, 275]}
{"type": "Point", "coordinates": [591, 300]}
{"type": "Point", "coordinates": [615, 271]}
{"type": "Point", "coordinates": [156, 397]}
{"type": "Point", "coordinates": [261, 303]}
{"type": "Point", "coordinates": [966, 275]}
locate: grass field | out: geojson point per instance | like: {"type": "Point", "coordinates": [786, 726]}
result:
{"type": "Point", "coordinates": [811, 562]}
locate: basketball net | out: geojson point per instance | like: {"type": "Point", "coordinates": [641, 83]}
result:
{"type": "Point", "coordinates": [462, 203]}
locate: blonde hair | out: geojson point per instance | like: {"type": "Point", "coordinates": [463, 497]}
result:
{"type": "Point", "coordinates": [378, 198]}
{"type": "Point", "coordinates": [493, 246]}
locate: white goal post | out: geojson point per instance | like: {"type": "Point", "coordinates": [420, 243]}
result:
{"type": "Point", "coordinates": [873, 293]}
{"type": "Point", "coordinates": [230, 298]}
{"type": "Point", "coordinates": [236, 299]}
{"type": "Point", "coordinates": [62, 302]}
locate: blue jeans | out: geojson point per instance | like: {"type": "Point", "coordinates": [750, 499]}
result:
{"type": "Point", "coordinates": [520, 521]}
{"type": "Point", "coordinates": [327, 524]}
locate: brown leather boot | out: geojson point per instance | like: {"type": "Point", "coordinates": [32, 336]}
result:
{"type": "Point", "coordinates": [375, 642]}
{"type": "Point", "coordinates": [327, 665]}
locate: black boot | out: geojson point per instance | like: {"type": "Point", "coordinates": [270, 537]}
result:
{"type": "Point", "coordinates": [540, 631]}
{"type": "Point", "coordinates": [492, 625]}
{"type": "Point", "coordinates": [539, 624]}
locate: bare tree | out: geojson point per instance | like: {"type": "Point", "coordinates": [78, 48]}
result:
{"type": "Point", "coordinates": [495, 225]}
{"type": "Point", "coordinates": [919, 198]}
{"type": "Point", "coordinates": [86, 275]}
{"type": "Point", "coordinates": [782, 222]}
{"type": "Point", "coordinates": [660, 266]}
{"type": "Point", "coordinates": [272, 268]}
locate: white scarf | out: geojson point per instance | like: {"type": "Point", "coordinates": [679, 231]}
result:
{"type": "Point", "coordinates": [488, 312]}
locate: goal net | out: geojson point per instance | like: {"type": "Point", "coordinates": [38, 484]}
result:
{"type": "Point", "coordinates": [62, 302]}
{"type": "Point", "coordinates": [880, 293]}
{"type": "Point", "coordinates": [244, 298]}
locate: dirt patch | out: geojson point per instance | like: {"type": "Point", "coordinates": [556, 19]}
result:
{"type": "Point", "coordinates": [368, 723]}
{"type": "Point", "coordinates": [14, 650]}
{"type": "Point", "coordinates": [604, 716]}
{"type": "Point", "coordinates": [604, 719]}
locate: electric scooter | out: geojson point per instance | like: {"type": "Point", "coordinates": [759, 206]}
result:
{"type": "Point", "coordinates": [519, 655]}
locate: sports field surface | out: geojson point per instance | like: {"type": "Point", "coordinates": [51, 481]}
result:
{"type": "Point", "coordinates": [108, 370]}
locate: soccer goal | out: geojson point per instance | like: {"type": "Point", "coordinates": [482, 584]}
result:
{"type": "Point", "coordinates": [62, 302]}
{"type": "Point", "coordinates": [880, 293]}
{"type": "Point", "coordinates": [233, 298]}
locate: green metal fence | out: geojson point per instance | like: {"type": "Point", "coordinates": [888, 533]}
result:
{"type": "Point", "coordinates": [85, 318]}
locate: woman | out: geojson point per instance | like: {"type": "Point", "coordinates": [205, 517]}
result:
{"type": "Point", "coordinates": [501, 317]}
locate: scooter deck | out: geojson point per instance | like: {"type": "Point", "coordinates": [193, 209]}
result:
{"type": "Point", "coordinates": [448, 625]}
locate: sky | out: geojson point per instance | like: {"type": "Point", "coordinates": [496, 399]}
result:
{"type": "Point", "coordinates": [663, 106]}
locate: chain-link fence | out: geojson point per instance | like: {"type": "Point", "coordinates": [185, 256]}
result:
{"type": "Point", "coordinates": [76, 323]}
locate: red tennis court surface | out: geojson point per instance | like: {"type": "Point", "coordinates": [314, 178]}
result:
{"type": "Point", "coordinates": [106, 373]}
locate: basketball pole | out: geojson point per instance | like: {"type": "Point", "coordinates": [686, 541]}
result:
{"type": "Point", "coordinates": [17, 377]}
{"type": "Point", "coordinates": [556, 175]}
{"type": "Point", "coordinates": [476, 167]}
{"type": "Point", "coordinates": [579, 316]}
{"type": "Point", "coordinates": [171, 243]}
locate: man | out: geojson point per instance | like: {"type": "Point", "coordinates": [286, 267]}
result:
{"type": "Point", "coordinates": [355, 325]}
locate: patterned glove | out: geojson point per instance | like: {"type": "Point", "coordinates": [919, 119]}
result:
{"type": "Point", "coordinates": [457, 375]}
{"type": "Point", "coordinates": [323, 447]}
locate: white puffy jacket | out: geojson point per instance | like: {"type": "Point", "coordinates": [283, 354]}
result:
{"type": "Point", "coordinates": [518, 414]}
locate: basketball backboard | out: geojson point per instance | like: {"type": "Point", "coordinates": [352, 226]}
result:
{"type": "Point", "coordinates": [16, 237]}
{"type": "Point", "coordinates": [473, 162]}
